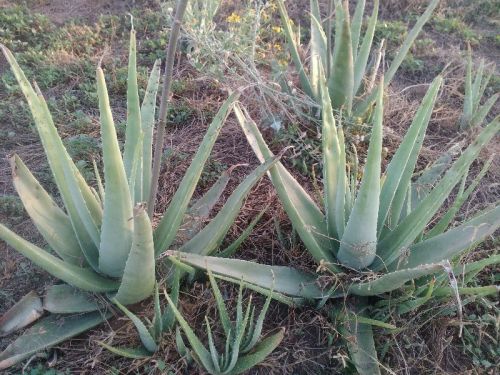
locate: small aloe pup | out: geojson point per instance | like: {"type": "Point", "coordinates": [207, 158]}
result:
{"type": "Point", "coordinates": [103, 242]}
{"type": "Point", "coordinates": [243, 348]}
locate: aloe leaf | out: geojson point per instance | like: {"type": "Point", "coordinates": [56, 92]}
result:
{"type": "Point", "coordinates": [168, 317]}
{"type": "Point", "coordinates": [318, 48]}
{"type": "Point", "coordinates": [362, 347]}
{"type": "Point", "coordinates": [480, 291]}
{"type": "Point", "coordinates": [139, 275]}
{"type": "Point", "coordinates": [133, 129]}
{"type": "Point", "coordinates": [146, 338]}
{"type": "Point", "coordinates": [213, 350]}
{"type": "Point", "coordinates": [393, 280]}
{"type": "Point", "coordinates": [471, 269]}
{"type": "Point", "coordinates": [116, 230]}
{"type": "Point", "coordinates": [181, 346]}
{"type": "Point", "coordinates": [48, 332]}
{"type": "Point", "coordinates": [257, 329]}
{"type": "Point", "coordinates": [27, 310]}
{"type": "Point", "coordinates": [342, 189]}
{"type": "Point", "coordinates": [468, 98]}
{"type": "Point", "coordinates": [454, 241]}
{"type": "Point", "coordinates": [462, 196]}
{"type": "Point", "coordinates": [147, 123]}
{"type": "Point", "coordinates": [200, 210]}
{"type": "Point", "coordinates": [52, 223]}
{"type": "Point", "coordinates": [132, 353]}
{"type": "Point", "coordinates": [373, 322]}
{"type": "Point", "coordinates": [167, 229]}
{"type": "Point", "coordinates": [91, 226]}
{"type": "Point", "coordinates": [233, 247]}
{"type": "Point", "coordinates": [92, 201]}
{"type": "Point", "coordinates": [135, 178]}
{"type": "Point", "coordinates": [201, 352]}
{"type": "Point", "coordinates": [400, 56]}
{"type": "Point", "coordinates": [158, 319]}
{"type": "Point", "coordinates": [210, 237]}
{"type": "Point", "coordinates": [306, 217]}
{"type": "Point", "coordinates": [476, 85]}
{"type": "Point", "coordinates": [83, 278]}
{"type": "Point", "coordinates": [221, 307]}
{"type": "Point", "coordinates": [64, 299]}
{"type": "Point", "coordinates": [290, 301]}
{"type": "Point", "coordinates": [100, 186]}
{"type": "Point", "coordinates": [484, 84]}
{"type": "Point", "coordinates": [240, 332]}
{"type": "Point", "coordinates": [293, 49]}
{"type": "Point", "coordinates": [332, 168]}
{"type": "Point", "coordinates": [361, 59]}
{"type": "Point", "coordinates": [429, 178]}
{"type": "Point", "coordinates": [57, 155]}
{"type": "Point", "coordinates": [408, 42]}
{"type": "Point", "coordinates": [260, 352]}
{"type": "Point", "coordinates": [359, 242]}
{"type": "Point", "coordinates": [286, 280]}
{"type": "Point", "coordinates": [413, 224]}
{"type": "Point", "coordinates": [483, 111]}
{"type": "Point", "coordinates": [400, 169]}
{"type": "Point", "coordinates": [341, 81]}
{"type": "Point", "coordinates": [357, 22]}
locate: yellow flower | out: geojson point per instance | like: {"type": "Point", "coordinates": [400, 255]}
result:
{"type": "Point", "coordinates": [277, 29]}
{"type": "Point", "coordinates": [277, 47]}
{"type": "Point", "coordinates": [233, 18]}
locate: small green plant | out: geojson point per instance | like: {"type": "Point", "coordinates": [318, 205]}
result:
{"type": "Point", "coordinates": [454, 25]}
{"type": "Point", "coordinates": [243, 348]}
{"type": "Point", "coordinates": [474, 112]}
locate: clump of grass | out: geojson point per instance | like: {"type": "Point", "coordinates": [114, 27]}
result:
{"type": "Point", "coordinates": [455, 26]}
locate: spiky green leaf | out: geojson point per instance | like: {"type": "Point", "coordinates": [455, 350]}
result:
{"type": "Point", "coordinates": [359, 242]}
{"type": "Point", "coordinates": [52, 223]}
{"type": "Point", "coordinates": [117, 228]}
{"type": "Point", "coordinates": [139, 275]}
{"type": "Point", "coordinates": [83, 278]}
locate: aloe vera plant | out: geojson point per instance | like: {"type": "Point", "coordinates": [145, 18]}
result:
{"type": "Point", "coordinates": [103, 241]}
{"type": "Point", "coordinates": [474, 112]}
{"type": "Point", "coordinates": [378, 227]}
{"type": "Point", "coordinates": [345, 60]}
{"type": "Point", "coordinates": [243, 347]}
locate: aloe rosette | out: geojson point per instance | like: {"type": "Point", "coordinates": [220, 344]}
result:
{"type": "Point", "coordinates": [103, 242]}
{"type": "Point", "coordinates": [350, 77]}
{"type": "Point", "coordinates": [379, 227]}
{"type": "Point", "coordinates": [474, 112]}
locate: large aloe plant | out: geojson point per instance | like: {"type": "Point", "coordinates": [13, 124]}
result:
{"type": "Point", "coordinates": [345, 60]}
{"type": "Point", "coordinates": [104, 242]}
{"type": "Point", "coordinates": [377, 227]}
